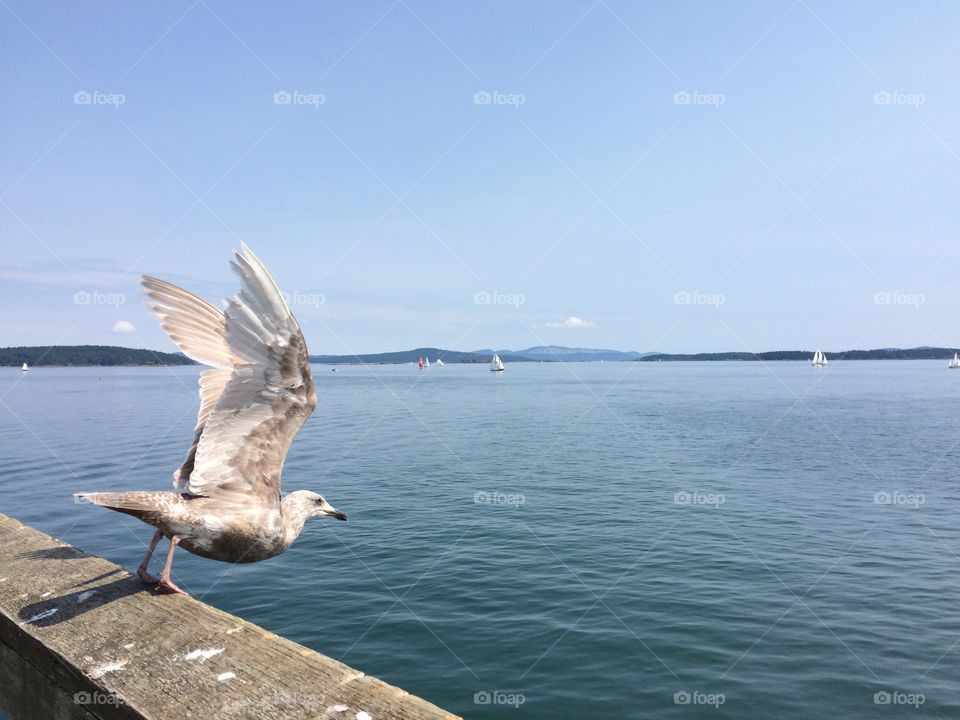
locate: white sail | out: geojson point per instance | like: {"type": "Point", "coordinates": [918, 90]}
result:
{"type": "Point", "coordinates": [439, 362]}
{"type": "Point", "coordinates": [496, 364]}
{"type": "Point", "coordinates": [24, 368]}
{"type": "Point", "coordinates": [955, 363]}
{"type": "Point", "coordinates": [426, 362]}
{"type": "Point", "coordinates": [819, 359]}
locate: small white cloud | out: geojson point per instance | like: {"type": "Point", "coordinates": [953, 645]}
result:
{"type": "Point", "coordinates": [573, 322]}
{"type": "Point", "coordinates": [124, 327]}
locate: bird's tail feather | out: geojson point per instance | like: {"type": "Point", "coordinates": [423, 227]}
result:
{"type": "Point", "coordinates": [143, 505]}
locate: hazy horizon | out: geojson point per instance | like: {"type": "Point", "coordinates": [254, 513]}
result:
{"type": "Point", "coordinates": [518, 350]}
{"type": "Point", "coordinates": [697, 178]}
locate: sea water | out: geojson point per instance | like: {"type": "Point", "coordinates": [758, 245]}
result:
{"type": "Point", "coordinates": [717, 539]}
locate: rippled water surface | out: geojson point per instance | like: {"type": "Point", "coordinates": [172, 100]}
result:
{"type": "Point", "coordinates": [587, 539]}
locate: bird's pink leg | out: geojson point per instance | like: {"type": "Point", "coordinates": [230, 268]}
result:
{"type": "Point", "coordinates": [165, 582]}
{"type": "Point", "coordinates": [142, 570]}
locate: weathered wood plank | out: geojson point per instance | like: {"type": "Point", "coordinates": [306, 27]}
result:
{"type": "Point", "coordinates": [80, 638]}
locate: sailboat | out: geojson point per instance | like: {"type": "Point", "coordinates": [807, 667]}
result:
{"type": "Point", "coordinates": [426, 363]}
{"type": "Point", "coordinates": [439, 362]}
{"type": "Point", "coordinates": [819, 359]}
{"type": "Point", "coordinates": [24, 368]}
{"type": "Point", "coordinates": [420, 364]}
{"type": "Point", "coordinates": [955, 363]}
{"type": "Point", "coordinates": [496, 365]}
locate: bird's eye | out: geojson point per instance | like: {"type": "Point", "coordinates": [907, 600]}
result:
{"type": "Point", "coordinates": [319, 501]}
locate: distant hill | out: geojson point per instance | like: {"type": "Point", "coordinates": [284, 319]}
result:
{"type": "Point", "coordinates": [542, 353]}
{"type": "Point", "coordinates": [920, 353]}
{"type": "Point", "coordinates": [408, 356]}
{"type": "Point", "coordinates": [48, 355]}
{"type": "Point", "coordinates": [564, 354]}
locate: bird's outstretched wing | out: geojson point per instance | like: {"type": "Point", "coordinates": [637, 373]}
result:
{"type": "Point", "coordinates": [258, 394]}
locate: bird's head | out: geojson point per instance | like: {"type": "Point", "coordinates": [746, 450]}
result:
{"type": "Point", "coordinates": [312, 505]}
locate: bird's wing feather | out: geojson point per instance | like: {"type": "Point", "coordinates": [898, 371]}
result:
{"type": "Point", "coordinates": [199, 330]}
{"type": "Point", "coordinates": [266, 396]}
{"type": "Point", "coordinates": [196, 326]}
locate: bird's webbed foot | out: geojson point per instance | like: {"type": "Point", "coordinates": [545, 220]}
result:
{"type": "Point", "coordinates": [170, 586]}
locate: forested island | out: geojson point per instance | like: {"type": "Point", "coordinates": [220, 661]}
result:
{"type": "Point", "coordinates": [66, 355]}
{"type": "Point", "coordinates": [919, 353]}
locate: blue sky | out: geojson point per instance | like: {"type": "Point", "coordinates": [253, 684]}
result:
{"type": "Point", "coordinates": [673, 176]}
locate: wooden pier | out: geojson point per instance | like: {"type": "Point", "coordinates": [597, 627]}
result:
{"type": "Point", "coordinates": [80, 638]}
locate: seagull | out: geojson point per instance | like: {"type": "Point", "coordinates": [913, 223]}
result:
{"type": "Point", "coordinates": [254, 399]}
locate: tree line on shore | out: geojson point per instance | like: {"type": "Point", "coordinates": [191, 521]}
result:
{"type": "Point", "coordinates": [40, 355]}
